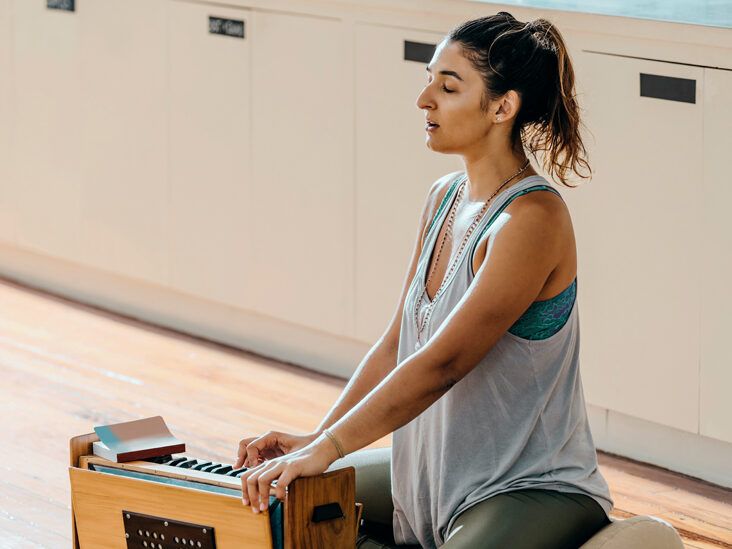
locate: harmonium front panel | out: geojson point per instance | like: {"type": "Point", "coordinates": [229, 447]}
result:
{"type": "Point", "coordinates": [175, 502]}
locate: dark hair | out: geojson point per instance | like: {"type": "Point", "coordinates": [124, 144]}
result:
{"type": "Point", "coordinates": [532, 59]}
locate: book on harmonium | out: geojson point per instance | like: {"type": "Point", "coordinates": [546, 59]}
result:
{"type": "Point", "coordinates": [134, 440]}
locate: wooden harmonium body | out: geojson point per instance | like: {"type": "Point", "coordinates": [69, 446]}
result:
{"type": "Point", "coordinates": [175, 502]}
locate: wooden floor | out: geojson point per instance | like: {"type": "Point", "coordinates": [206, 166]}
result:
{"type": "Point", "coordinates": [66, 367]}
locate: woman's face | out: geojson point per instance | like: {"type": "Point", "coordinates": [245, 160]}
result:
{"type": "Point", "coordinates": [452, 100]}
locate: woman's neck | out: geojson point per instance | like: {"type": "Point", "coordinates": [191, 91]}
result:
{"type": "Point", "coordinates": [486, 176]}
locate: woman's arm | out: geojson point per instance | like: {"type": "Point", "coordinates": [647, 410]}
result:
{"type": "Point", "coordinates": [382, 358]}
{"type": "Point", "coordinates": [375, 366]}
{"type": "Point", "coordinates": [526, 248]}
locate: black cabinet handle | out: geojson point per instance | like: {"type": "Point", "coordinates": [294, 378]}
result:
{"type": "Point", "coordinates": [668, 87]}
{"type": "Point", "coordinates": [418, 51]}
{"type": "Point", "coordinates": [329, 511]}
{"type": "Point", "coordinates": [65, 5]}
{"type": "Point", "coordinates": [226, 27]}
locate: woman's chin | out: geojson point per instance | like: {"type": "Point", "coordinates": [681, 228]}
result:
{"type": "Point", "coordinates": [435, 146]}
{"type": "Point", "coordinates": [431, 144]}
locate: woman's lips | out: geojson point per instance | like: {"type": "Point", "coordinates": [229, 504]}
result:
{"type": "Point", "coordinates": [431, 127]}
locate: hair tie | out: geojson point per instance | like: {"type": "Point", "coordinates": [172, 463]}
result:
{"type": "Point", "coordinates": [539, 32]}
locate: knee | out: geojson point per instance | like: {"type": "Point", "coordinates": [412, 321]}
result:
{"type": "Point", "coordinates": [373, 481]}
{"type": "Point", "coordinates": [373, 468]}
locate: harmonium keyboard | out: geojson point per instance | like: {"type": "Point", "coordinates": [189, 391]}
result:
{"type": "Point", "coordinates": [175, 502]}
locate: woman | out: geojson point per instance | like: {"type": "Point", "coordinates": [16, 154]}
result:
{"type": "Point", "coordinates": [477, 375]}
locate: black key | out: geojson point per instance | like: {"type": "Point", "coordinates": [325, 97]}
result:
{"type": "Point", "coordinates": [210, 467]}
{"type": "Point", "coordinates": [236, 471]}
{"type": "Point", "coordinates": [223, 470]}
{"type": "Point", "coordinates": [176, 461]}
{"type": "Point", "coordinates": [159, 459]}
{"type": "Point", "coordinates": [188, 464]}
{"type": "Point", "coordinates": [215, 469]}
{"type": "Point", "coordinates": [201, 465]}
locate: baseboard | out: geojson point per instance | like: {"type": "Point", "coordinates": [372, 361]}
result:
{"type": "Point", "coordinates": [187, 314]}
{"type": "Point", "coordinates": [689, 453]}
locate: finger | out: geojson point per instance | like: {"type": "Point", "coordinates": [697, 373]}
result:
{"type": "Point", "coordinates": [252, 455]}
{"type": "Point", "coordinates": [247, 490]}
{"type": "Point", "coordinates": [253, 485]}
{"type": "Point", "coordinates": [265, 484]}
{"type": "Point", "coordinates": [246, 500]}
{"type": "Point", "coordinates": [244, 490]}
{"type": "Point", "coordinates": [242, 452]}
{"type": "Point", "coordinates": [288, 475]}
{"type": "Point", "coordinates": [254, 449]}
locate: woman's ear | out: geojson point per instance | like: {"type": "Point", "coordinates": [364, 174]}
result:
{"type": "Point", "coordinates": [508, 106]}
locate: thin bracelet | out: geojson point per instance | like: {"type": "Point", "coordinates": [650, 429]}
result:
{"type": "Point", "coordinates": [332, 437]}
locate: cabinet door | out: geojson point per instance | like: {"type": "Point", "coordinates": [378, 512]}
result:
{"type": "Point", "coordinates": [209, 151]}
{"type": "Point", "coordinates": [302, 202]}
{"type": "Point", "coordinates": [716, 264]}
{"type": "Point", "coordinates": [124, 189]}
{"type": "Point", "coordinates": [394, 167]}
{"type": "Point", "coordinates": [7, 197]}
{"type": "Point", "coordinates": [46, 171]}
{"type": "Point", "coordinates": [637, 225]}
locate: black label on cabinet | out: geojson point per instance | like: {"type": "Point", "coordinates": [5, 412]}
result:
{"type": "Point", "coordinates": [668, 87]}
{"type": "Point", "coordinates": [66, 5]}
{"type": "Point", "coordinates": [417, 51]}
{"type": "Point", "coordinates": [227, 27]}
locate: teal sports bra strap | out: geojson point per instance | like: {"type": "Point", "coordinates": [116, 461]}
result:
{"type": "Point", "coordinates": [503, 207]}
{"type": "Point", "coordinates": [444, 202]}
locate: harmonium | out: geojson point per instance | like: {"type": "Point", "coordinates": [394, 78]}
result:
{"type": "Point", "coordinates": [176, 502]}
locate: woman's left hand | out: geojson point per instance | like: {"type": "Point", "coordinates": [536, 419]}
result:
{"type": "Point", "coordinates": [311, 460]}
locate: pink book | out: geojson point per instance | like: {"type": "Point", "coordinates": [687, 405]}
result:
{"type": "Point", "coordinates": [139, 439]}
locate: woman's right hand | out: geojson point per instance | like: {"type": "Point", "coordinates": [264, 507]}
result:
{"type": "Point", "coordinates": [255, 450]}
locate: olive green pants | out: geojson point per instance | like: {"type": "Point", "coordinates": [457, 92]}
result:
{"type": "Point", "coordinates": [521, 519]}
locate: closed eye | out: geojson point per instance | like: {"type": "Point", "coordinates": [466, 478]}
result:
{"type": "Point", "coordinates": [445, 88]}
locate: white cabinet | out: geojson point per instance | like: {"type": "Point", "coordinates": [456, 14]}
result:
{"type": "Point", "coordinates": [43, 196]}
{"type": "Point", "coordinates": [394, 167]}
{"type": "Point", "coordinates": [301, 201]}
{"type": "Point", "coordinates": [210, 147]}
{"type": "Point", "coordinates": [638, 237]}
{"type": "Point", "coordinates": [7, 195]}
{"type": "Point", "coordinates": [715, 267]}
{"type": "Point", "coordinates": [284, 173]}
{"type": "Point", "coordinates": [124, 137]}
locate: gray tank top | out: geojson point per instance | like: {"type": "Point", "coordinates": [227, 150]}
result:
{"type": "Point", "coordinates": [517, 420]}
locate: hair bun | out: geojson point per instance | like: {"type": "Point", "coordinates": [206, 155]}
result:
{"type": "Point", "coordinates": [536, 25]}
{"type": "Point", "coordinates": [539, 30]}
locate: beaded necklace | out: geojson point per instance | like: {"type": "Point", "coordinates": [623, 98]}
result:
{"type": "Point", "coordinates": [451, 216]}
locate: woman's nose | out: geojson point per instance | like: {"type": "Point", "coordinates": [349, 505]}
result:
{"type": "Point", "coordinates": [423, 100]}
